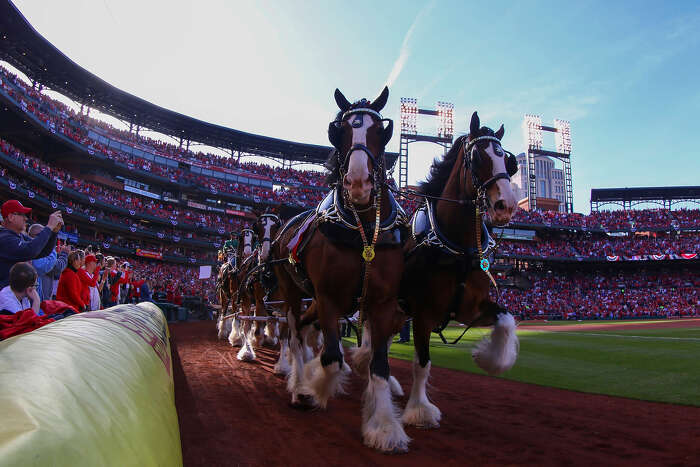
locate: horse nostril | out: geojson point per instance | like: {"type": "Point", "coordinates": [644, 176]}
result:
{"type": "Point", "coordinates": [500, 205]}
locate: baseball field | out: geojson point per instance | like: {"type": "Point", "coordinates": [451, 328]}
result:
{"type": "Point", "coordinates": [649, 360]}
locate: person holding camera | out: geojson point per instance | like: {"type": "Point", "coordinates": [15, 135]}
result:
{"type": "Point", "coordinates": [15, 245]}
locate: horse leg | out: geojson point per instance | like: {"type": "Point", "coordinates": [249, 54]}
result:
{"type": "Point", "coordinates": [282, 366]}
{"type": "Point", "coordinates": [295, 379]}
{"type": "Point", "coordinates": [381, 426]}
{"type": "Point", "coordinates": [499, 351]}
{"type": "Point", "coordinates": [324, 374]}
{"type": "Point", "coordinates": [361, 355]}
{"type": "Point", "coordinates": [235, 337]}
{"type": "Point", "coordinates": [419, 410]}
{"type": "Point", "coordinates": [396, 389]}
{"type": "Point", "coordinates": [308, 333]}
{"type": "Point", "coordinates": [223, 299]}
{"type": "Point", "coordinates": [246, 353]}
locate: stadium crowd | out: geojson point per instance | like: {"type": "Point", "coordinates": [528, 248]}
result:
{"type": "Point", "coordinates": [605, 295]}
{"type": "Point", "coordinates": [600, 247]}
{"type": "Point", "coordinates": [116, 280]}
{"type": "Point", "coordinates": [42, 280]}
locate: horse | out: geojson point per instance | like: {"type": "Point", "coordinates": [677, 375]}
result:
{"type": "Point", "coordinates": [349, 246]}
{"type": "Point", "coordinates": [256, 284]}
{"type": "Point", "coordinates": [229, 291]}
{"type": "Point", "coordinates": [228, 283]}
{"type": "Point", "coordinates": [447, 271]}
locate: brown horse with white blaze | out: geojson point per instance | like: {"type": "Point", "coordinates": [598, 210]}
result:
{"type": "Point", "coordinates": [349, 255]}
{"type": "Point", "coordinates": [447, 274]}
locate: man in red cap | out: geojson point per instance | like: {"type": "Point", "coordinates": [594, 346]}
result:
{"type": "Point", "coordinates": [89, 276]}
{"type": "Point", "coordinates": [15, 245]}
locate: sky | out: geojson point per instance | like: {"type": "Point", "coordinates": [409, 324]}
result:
{"type": "Point", "coordinates": [625, 74]}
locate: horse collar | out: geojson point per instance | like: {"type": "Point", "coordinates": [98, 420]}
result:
{"type": "Point", "coordinates": [435, 238]}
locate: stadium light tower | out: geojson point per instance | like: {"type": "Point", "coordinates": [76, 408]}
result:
{"type": "Point", "coordinates": [532, 129]}
{"type": "Point", "coordinates": [409, 130]}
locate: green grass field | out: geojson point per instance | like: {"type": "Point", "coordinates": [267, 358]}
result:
{"type": "Point", "coordinates": [649, 364]}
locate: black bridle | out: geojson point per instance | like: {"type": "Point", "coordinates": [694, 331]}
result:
{"type": "Point", "coordinates": [469, 158]}
{"type": "Point", "coordinates": [378, 162]}
{"type": "Point", "coordinates": [275, 219]}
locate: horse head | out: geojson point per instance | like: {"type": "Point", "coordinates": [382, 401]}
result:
{"type": "Point", "coordinates": [248, 237]}
{"type": "Point", "coordinates": [265, 228]}
{"type": "Point", "coordinates": [359, 135]}
{"type": "Point", "coordinates": [491, 168]}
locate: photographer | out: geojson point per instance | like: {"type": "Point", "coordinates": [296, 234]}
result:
{"type": "Point", "coordinates": [15, 245]}
{"type": "Point", "coordinates": [48, 267]}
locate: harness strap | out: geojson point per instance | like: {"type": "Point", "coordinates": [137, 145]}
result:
{"type": "Point", "coordinates": [367, 253]}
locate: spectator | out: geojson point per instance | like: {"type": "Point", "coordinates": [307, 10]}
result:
{"type": "Point", "coordinates": [69, 285]}
{"type": "Point", "coordinates": [90, 277]}
{"type": "Point", "coordinates": [21, 294]}
{"type": "Point", "coordinates": [42, 265]}
{"type": "Point", "coordinates": [146, 291]}
{"type": "Point", "coordinates": [15, 245]}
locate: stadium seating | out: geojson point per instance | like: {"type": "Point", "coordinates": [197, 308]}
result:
{"type": "Point", "coordinates": [122, 221]}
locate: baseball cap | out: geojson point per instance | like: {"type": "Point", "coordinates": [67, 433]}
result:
{"type": "Point", "coordinates": [12, 206]}
{"type": "Point", "coordinates": [90, 259]}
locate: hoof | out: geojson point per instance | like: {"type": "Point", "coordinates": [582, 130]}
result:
{"type": "Point", "coordinates": [304, 402]}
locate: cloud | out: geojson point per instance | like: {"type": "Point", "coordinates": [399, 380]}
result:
{"type": "Point", "coordinates": [405, 50]}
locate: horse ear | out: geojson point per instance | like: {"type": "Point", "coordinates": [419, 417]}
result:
{"type": "Point", "coordinates": [500, 132]}
{"type": "Point", "coordinates": [342, 102]}
{"type": "Point", "coordinates": [474, 126]}
{"type": "Point", "coordinates": [379, 103]}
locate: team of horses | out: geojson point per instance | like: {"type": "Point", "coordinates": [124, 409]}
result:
{"type": "Point", "coordinates": [357, 253]}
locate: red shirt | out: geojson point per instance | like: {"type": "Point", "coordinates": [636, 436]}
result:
{"type": "Point", "coordinates": [70, 289]}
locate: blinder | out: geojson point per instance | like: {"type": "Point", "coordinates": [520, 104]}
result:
{"type": "Point", "coordinates": [252, 235]}
{"type": "Point", "coordinates": [274, 218]}
{"type": "Point", "coordinates": [475, 160]}
{"type": "Point", "coordinates": [335, 132]}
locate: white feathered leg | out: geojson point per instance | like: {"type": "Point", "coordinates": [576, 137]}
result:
{"type": "Point", "coordinates": [235, 338]}
{"type": "Point", "coordinates": [361, 356]}
{"type": "Point", "coordinates": [498, 353]}
{"type": "Point", "coordinates": [282, 366]}
{"type": "Point", "coordinates": [396, 389]}
{"type": "Point", "coordinates": [419, 410]}
{"type": "Point", "coordinates": [257, 334]}
{"type": "Point", "coordinates": [246, 353]}
{"type": "Point", "coordinates": [381, 427]}
{"type": "Point", "coordinates": [324, 382]}
{"type": "Point", "coordinates": [307, 337]}
{"type": "Point", "coordinates": [271, 333]}
{"type": "Point", "coordinates": [220, 327]}
{"type": "Point", "coordinates": [295, 378]}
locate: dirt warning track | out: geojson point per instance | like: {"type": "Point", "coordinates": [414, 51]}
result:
{"type": "Point", "coordinates": [236, 413]}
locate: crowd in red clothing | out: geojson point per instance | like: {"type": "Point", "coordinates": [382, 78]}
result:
{"type": "Point", "coordinates": [634, 220]}
{"type": "Point", "coordinates": [605, 295]}
{"type": "Point", "coordinates": [599, 247]}
{"type": "Point", "coordinates": [60, 118]}
{"type": "Point", "coordinates": [139, 204]}
{"type": "Point", "coordinates": [601, 293]}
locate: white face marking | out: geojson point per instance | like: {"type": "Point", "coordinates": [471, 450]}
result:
{"type": "Point", "coordinates": [502, 190]}
{"type": "Point", "coordinates": [267, 226]}
{"type": "Point", "coordinates": [357, 179]}
{"type": "Point", "coordinates": [247, 243]}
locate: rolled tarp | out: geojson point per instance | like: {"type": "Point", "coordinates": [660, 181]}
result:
{"type": "Point", "coordinates": [92, 389]}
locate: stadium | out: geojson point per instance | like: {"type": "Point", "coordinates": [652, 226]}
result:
{"type": "Point", "coordinates": [607, 303]}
